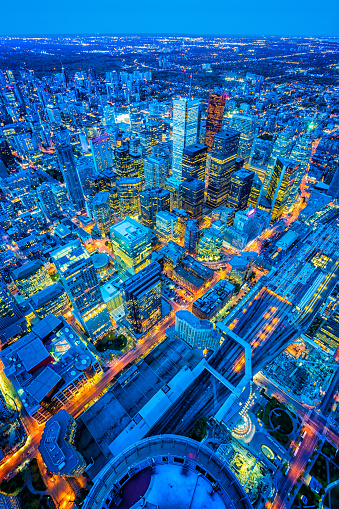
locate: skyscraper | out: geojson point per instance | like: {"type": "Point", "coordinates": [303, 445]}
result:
{"type": "Point", "coordinates": [102, 210]}
{"type": "Point", "coordinates": [155, 170]}
{"type": "Point", "coordinates": [10, 311]}
{"type": "Point", "coordinates": [153, 201]}
{"type": "Point", "coordinates": [223, 164]}
{"type": "Point", "coordinates": [191, 236]}
{"type": "Point", "coordinates": [47, 200]}
{"type": "Point", "coordinates": [167, 225]}
{"type": "Point", "coordinates": [101, 153]}
{"type": "Point", "coordinates": [132, 247]}
{"type": "Point", "coordinates": [255, 192]}
{"type": "Point", "coordinates": [194, 161]}
{"type": "Point", "coordinates": [185, 130]}
{"type": "Point", "coordinates": [241, 184]}
{"type": "Point", "coordinates": [77, 273]}
{"type": "Point", "coordinates": [70, 174]}
{"type": "Point", "coordinates": [281, 192]}
{"type": "Point", "coordinates": [135, 117]}
{"type": "Point", "coordinates": [174, 186]}
{"type": "Point", "coordinates": [124, 164]}
{"type": "Point", "coordinates": [282, 148]}
{"type": "Point", "coordinates": [246, 125]}
{"type": "Point", "coordinates": [215, 113]}
{"type": "Point", "coordinates": [141, 296]}
{"type": "Point", "coordinates": [129, 196]}
{"type": "Point", "coordinates": [193, 197]}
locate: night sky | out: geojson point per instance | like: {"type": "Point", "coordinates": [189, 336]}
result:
{"type": "Point", "coordinates": [242, 17]}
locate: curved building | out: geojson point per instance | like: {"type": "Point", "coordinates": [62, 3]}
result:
{"type": "Point", "coordinates": [167, 471]}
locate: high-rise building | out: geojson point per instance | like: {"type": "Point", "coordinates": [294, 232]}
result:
{"type": "Point", "coordinates": [85, 169]}
{"type": "Point", "coordinates": [281, 191]}
{"type": "Point", "coordinates": [60, 194]}
{"type": "Point", "coordinates": [155, 171]}
{"type": "Point", "coordinates": [31, 277]}
{"type": "Point", "coordinates": [101, 153]}
{"type": "Point", "coordinates": [124, 165]}
{"type": "Point", "coordinates": [141, 296]}
{"type": "Point", "coordinates": [138, 164]}
{"type": "Point", "coordinates": [246, 125]}
{"type": "Point", "coordinates": [153, 201]}
{"type": "Point", "coordinates": [135, 117]}
{"type": "Point", "coordinates": [194, 161]}
{"type": "Point", "coordinates": [191, 236]}
{"type": "Point", "coordinates": [77, 273]}
{"type": "Point", "coordinates": [215, 113]}
{"type": "Point", "coordinates": [102, 210]}
{"type": "Point", "coordinates": [186, 114]}
{"type": "Point", "coordinates": [210, 244]}
{"type": "Point", "coordinates": [10, 311]}
{"type": "Point", "coordinates": [129, 190]}
{"type": "Point", "coordinates": [196, 332]}
{"type": "Point", "coordinates": [5, 153]}
{"type": "Point", "coordinates": [282, 147]}
{"type": "Point", "coordinates": [132, 247]}
{"type": "Point", "coordinates": [241, 185]}
{"type": "Point", "coordinates": [183, 217]}
{"type": "Point", "coordinates": [223, 164]}
{"type": "Point", "coordinates": [47, 200]}
{"type": "Point", "coordinates": [255, 192]}
{"type": "Point", "coordinates": [193, 197]}
{"type": "Point", "coordinates": [167, 225]}
{"type": "Point", "coordinates": [70, 174]}
{"type": "Point", "coordinates": [174, 186]}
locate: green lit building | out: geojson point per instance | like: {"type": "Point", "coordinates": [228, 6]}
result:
{"type": "Point", "coordinates": [132, 247]}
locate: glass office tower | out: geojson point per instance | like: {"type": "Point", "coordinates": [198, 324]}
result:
{"type": "Point", "coordinates": [186, 115]}
{"type": "Point", "coordinates": [215, 113]}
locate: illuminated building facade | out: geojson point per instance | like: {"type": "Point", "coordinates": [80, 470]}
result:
{"type": "Point", "coordinates": [10, 311]}
{"type": "Point", "coordinates": [135, 117]}
{"type": "Point", "coordinates": [101, 153]}
{"type": "Point", "coordinates": [31, 278]}
{"type": "Point", "coordinates": [281, 191]}
{"type": "Point", "coordinates": [132, 247]}
{"type": "Point", "coordinates": [156, 171]}
{"type": "Point", "coordinates": [193, 191]}
{"type": "Point", "coordinates": [328, 334]}
{"type": "Point", "coordinates": [223, 164]}
{"type": "Point", "coordinates": [240, 189]}
{"type": "Point", "coordinates": [138, 164]}
{"type": "Point", "coordinates": [191, 236]}
{"type": "Point", "coordinates": [282, 147]}
{"type": "Point", "coordinates": [141, 296]}
{"type": "Point", "coordinates": [167, 225]}
{"type": "Point", "coordinates": [215, 113]}
{"type": "Point", "coordinates": [246, 125]}
{"type": "Point", "coordinates": [186, 115]}
{"type": "Point", "coordinates": [255, 191]}
{"type": "Point", "coordinates": [129, 196]}
{"type": "Point", "coordinates": [153, 201]}
{"type": "Point", "coordinates": [183, 217]}
{"type": "Point", "coordinates": [174, 186]}
{"type": "Point", "coordinates": [102, 210]}
{"type": "Point", "coordinates": [199, 333]}
{"type": "Point", "coordinates": [52, 299]}
{"type": "Point", "coordinates": [77, 273]}
{"type": "Point", "coordinates": [124, 165]}
{"type": "Point", "coordinates": [70, 174]}
{"type": "Point", "coordinates": [210, 244]}
{"type": "Point", "coordinates": [47, 200]}
{"type": "Point", "coordinates": [194, 162]}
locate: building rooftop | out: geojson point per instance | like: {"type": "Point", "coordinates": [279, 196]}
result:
{"type": "Point", "coordinates": [217, 294]}
{"type": "Point", "coordinates": [47, 294]}
{"type": "Point", "coordinates": [100, 260]}
{"type": "Point", "coordinates": [26, 270]}
{"type": "Point", "coordinates": [129, 229]}
{"type": "Point", "coordinates": [55, 448]}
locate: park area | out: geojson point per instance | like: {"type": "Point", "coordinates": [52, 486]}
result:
{"type": "Point", "coordinates": [278, 420]}
{"type": "Point", "coordinates": [111, 342]}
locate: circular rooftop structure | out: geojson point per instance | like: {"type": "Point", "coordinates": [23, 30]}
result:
{"type": "Point", "coordinates": [167, 471]}
{"type": "Point", "coordinates": [100, 260]}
